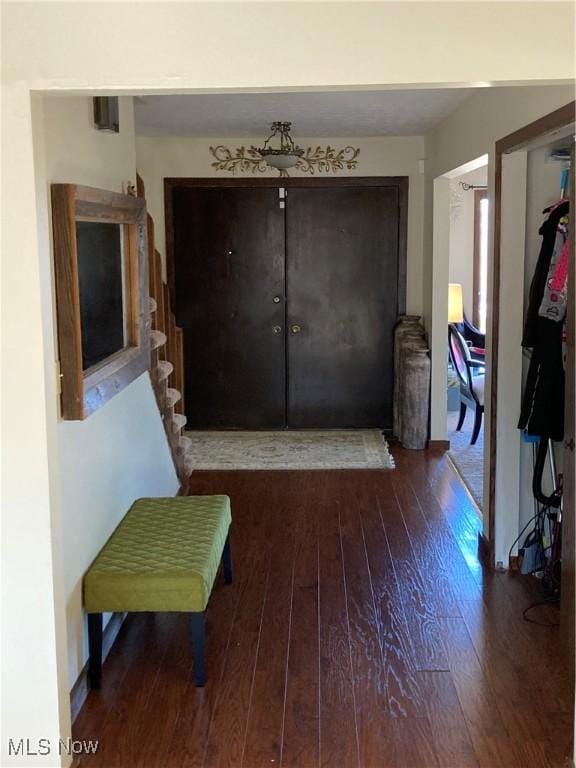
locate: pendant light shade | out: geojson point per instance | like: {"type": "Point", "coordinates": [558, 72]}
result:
{"type": "Point", "coordinates": [281, 161]}
{"type": "Point", "coordinates": [279, 150]}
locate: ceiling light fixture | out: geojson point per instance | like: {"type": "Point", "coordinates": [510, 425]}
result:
{"type": "Point", "coordinates": [279, 150]}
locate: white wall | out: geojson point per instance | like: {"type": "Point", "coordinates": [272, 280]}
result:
{"type": "Point", "coordinates": [462, 235]}
{"type": "Point", "coordinates": [158, 158]}
{"type": "Point", "coordinates": [35, 702]}
{"type": "Point", "coordinates": [120, 452]}
{"type": "Point", "coordinates": [83, 46]}
{"type": "Point", "coordinates": [263, 45]}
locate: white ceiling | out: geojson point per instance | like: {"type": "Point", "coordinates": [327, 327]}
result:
{"type": "Point", "coordinates": [347, 113]}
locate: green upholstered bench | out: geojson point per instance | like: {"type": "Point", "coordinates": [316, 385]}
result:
{"type": "Point", "coordinates": [163, 556]}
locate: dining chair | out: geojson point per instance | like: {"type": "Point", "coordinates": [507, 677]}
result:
{"type": "Point", "coordinates": [471, 386]}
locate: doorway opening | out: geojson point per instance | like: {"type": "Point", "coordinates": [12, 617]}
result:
{"type": "Point", "coordinates": [467, 307]}
{"type": "Point", "coordinates": [459, 311]}
{"type": "Point", "coordinates": [400, 542]}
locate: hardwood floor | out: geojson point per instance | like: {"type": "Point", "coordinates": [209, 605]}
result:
{"type": "Point", "coordinates": [360, 630]}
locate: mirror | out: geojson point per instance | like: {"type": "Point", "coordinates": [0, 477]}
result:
{"type": "Point", "coordinates": [101, 280]}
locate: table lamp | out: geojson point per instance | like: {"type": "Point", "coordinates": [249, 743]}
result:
{"type": "Point", "coordinates": [455, 305]}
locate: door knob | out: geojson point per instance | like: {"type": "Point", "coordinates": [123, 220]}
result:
{"type": "Point", "coordinates": [277, 329]}
{"type": "Point", "coordinates": [296, 328]}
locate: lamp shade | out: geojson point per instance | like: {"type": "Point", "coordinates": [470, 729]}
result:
{"type": "Point", "coordinates": [285, 154]}
{"type": "Point", "coordinates": [455, 305]}
{"type": "Point", "coordinates": [280, 161]}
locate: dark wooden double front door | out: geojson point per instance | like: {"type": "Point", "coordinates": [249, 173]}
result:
{"type": "Point", "coordinates": [287, 305]}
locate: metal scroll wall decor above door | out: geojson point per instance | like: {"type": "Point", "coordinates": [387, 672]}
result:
{"type": "Point", "coordinates": [314, 160]}
{"type": "Point", "coordinates": [280, 152]}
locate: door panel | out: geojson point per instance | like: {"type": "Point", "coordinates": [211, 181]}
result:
{"type": "Point", "coordinates": [342, 289]}
{"type": "Point", "coordinates": [229, 266]}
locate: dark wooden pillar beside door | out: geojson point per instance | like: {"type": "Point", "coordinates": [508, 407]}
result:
{"type": "Point", "coordinates": [229, 290]}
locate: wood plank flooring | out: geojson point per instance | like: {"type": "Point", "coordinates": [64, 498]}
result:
{"type": "Point", "coordinates": [360, 630]}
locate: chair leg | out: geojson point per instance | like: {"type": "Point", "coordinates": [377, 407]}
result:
{"type": "Point", "coordinates": [477, 424]}
{"type": "Point", "coordinates": [95, 650]}
{"type": "Point", "coordinates": [227, 561]}
{"type": "Point", "coordinates": [462, 417]}
{"type": "Point", "coordinates": [198, 648]}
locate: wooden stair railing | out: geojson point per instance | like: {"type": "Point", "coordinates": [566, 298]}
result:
{"type": "Point", "coordinates": [167, 359]}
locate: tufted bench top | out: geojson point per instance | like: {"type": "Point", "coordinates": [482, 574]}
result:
{"type": "Point", "coordinates": [163, 556]}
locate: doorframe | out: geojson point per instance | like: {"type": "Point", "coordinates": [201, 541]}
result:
{"type": "Point", "coordinates": [513, 142]}
{"type": "Point", "coordinates": [518, 141]}
{"type": "Point", "coordinates": [400, 182]}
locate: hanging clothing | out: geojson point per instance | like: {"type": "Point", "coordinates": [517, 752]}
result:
{"type": "Point", "coordinates": [553, 305]}
{"type": "Point", "coordinates": [549, 231]}
{"type": "Point", "coordinates": [542, 412]}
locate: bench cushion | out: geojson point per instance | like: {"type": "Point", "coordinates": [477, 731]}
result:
{"type": "Point", "coordinates": [163, 556]}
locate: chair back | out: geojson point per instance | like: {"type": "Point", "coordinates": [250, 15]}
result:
{"type": "Point", "coordinates": [459, 355]}
{"type": "Point", "coordinates": [473, 334]}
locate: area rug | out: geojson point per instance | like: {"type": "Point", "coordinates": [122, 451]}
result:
{"type": "Point", "coordinates": [468, 459]}
{"type": "Point", "coordinates": [306, 449]}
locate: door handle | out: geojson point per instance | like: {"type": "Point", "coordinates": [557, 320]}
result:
{"type": "Point", "coordinates": [569, 444]}
{"type": "Point", "coordinates": [296, 328]}
{"type": "Point", "coordinates": [276, 329]}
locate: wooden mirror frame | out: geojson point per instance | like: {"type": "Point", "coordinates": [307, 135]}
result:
{"type": "Point", "coordinates": [84, 391]}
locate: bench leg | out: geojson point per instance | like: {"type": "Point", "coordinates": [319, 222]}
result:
{"type": "Point", "coordinates": [198, 648]}
{"type": "Point", "coordinates": [95, 650]}
{"type": "Point", "coordinates": [227, 561]}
